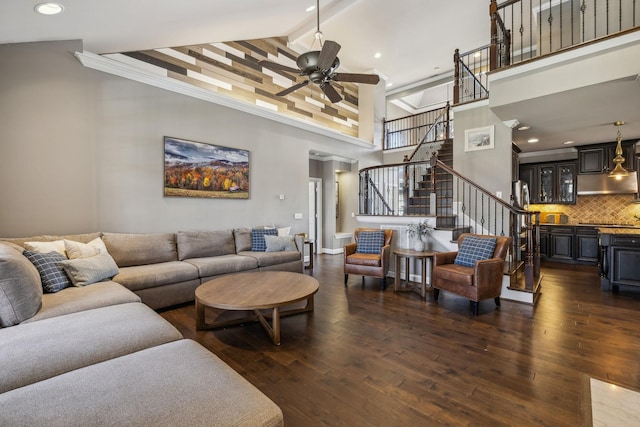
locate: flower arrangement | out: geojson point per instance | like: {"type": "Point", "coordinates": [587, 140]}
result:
{"type": "Point", "coordinates": [420, 229]}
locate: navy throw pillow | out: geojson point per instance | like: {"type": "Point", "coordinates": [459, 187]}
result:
{"type": "Point", "coordinates": [49, 266]}
{"type": "Point", "coordinates": [370, 242]}
{"type": "Point", "coordinates": [473, 249]}
{"type": "Point", "coordinates": [257, 238]}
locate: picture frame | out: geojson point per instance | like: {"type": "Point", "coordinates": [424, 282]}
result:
{"type": "Point", "coordinates": [479, 138]}
{"type": "Point", "coordinates": [197, 169]}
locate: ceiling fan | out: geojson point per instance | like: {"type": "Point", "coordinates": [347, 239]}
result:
{"type": "Point", "coordinates": [320, 68]}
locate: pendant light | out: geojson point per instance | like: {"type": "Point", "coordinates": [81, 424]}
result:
{"type": "Point", "coordinates": [618, 171]}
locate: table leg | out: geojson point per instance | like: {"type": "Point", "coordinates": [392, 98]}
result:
{"type": "Point", "coordinates": [396, 281]}
{"type": "Point", "coordinates": [423, 279]}
{"type": "Point", "coordinates": [407, 272]}
{"type": "Point", "coordinates": [200, 325]}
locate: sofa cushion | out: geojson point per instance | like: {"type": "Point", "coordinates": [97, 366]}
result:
{"type": "Point", "coordinates": [140, 277]}
{"type": "Point", "coordinates": [279, 243]}
{"type": "Point", "coordinates": [85, 271]}
{"type": "Point", "coordinates": [370, 242]}
{"type": "Point", "coordinates": [473, 249]}
{"type": "Point", "coordinates": [258, 243]}
{"type": "Point", "coordinates": [242, 237]}
{"type": "Point", "coordinates": [20, 287]}
{"type": "Point", "coordinates": [199, 244]}
{"type": "Point", "coordinates": [214, 266]}
{"type": "Point", "coordinates": [140, 249]}
{"type": "Point", "coordinates": [49, 266]}
{"type": "Point", "coordinates": [75, 340]}
{"type": "Point", "coordinates": [76, 299]}
{"type": "Point", "coordinates": [266, 259]}
{"type": "Point", "coordinates": [178, 383]}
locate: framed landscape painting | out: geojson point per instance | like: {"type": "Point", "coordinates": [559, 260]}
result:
{"type": "Point", "coordinates": [195, 169]}
{"type": "Point", "coordinates": [478, 139]}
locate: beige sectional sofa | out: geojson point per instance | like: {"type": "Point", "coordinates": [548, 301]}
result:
{"type": "Point", "coordinates": [99, 354]}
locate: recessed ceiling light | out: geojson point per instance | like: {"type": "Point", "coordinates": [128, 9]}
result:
{"type": "Point", "coordinates": [524, 128]}
{"type": "Point", "coordinates": [49, 8]}
{"type": "Point", "coordinates": [436, 68]}
{"type": "Point", "coordinates": [568, 142]}
{"type": "Point", "coordinates": [389, 84]}
{"type": "Point", "coordinates": [533, 140]}
{"type": "Point", "coordinates": [310, 8]}
{"type": "Point", "coordinates": [377, 55]}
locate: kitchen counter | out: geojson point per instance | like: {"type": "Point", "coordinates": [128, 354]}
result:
{"type": "Point", "coordinates": [598, 226]}
{"type": "Point", "coordinates": [619, 230]}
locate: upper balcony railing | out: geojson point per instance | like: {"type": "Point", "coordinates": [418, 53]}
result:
{"type": "Point", "coordinates": [527, 29]}
{"type": "Point", "coordinates": [523, 30]}
{"type": "Point", "coordinates": [421, 128]}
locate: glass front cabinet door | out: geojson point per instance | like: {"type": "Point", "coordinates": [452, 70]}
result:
{"type": "Point", "coordinates": [566, 183]}
{"type": "Point", "coordinates": [557, 183]}
{"type": "Point", "coordinates": [546, 175]}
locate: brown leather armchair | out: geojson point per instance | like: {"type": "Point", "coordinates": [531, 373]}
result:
{"type": "Point", "coordinates": [375, 265]}
{"type": "Point", "coordinates": [482, 281]}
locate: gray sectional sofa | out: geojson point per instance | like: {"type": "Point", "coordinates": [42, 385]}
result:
{"type": "Point", "coordinates": [99, 354]}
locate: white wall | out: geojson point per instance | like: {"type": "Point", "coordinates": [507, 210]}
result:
{"type": "Point", "coordinates": [81, 150]}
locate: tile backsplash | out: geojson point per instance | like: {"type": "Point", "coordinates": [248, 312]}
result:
{"type": "Point", "coordinates": [600, 209]}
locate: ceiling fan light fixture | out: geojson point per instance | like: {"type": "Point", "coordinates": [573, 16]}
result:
{"type": "Point", "coordinates": [618, 171]}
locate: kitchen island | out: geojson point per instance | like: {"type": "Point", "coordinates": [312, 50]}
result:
{"type": "Point", "coordinates": [619, 257]}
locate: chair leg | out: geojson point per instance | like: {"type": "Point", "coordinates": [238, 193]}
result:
{"type": "Point", "coordinates": [497, 300]}
{"type": "Point", "coordinates": [363, 281]}
{"type": "Point", "coordinates": [346, 277]}
{"type": "Point", "coordinates": [383, 284]}
{"type": "Point", "coordinates": [436, 294]}
{"type": "Point", "coordinates": [475, 307]}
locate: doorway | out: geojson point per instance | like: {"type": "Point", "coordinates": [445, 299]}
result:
{"type": "Point", "coordinates": [315, 213]}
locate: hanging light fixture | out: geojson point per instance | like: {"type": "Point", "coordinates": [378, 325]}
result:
{"type": "Point", "coordinates": [618, 171]}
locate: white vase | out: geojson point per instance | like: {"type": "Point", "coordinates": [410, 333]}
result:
{"type": "Point", "coordinates": [419, 246]}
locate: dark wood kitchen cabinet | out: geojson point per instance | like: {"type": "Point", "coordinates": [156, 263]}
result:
{"type": "Point", "coordinates": [550, 182]}
{"type": "Point", "coordinates": [569, 244]}
{"type": "Point", "coordinates": [561, 243]}
{"type": "Point", "coordinates": [620, 264]}
{"type": "Point", "coordinates": [587, 248]}
{"type": "Point", "coordinates": [599, 158]}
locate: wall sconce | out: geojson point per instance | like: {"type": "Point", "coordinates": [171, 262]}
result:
{"type": "Point", "coordinates": [618, 171]}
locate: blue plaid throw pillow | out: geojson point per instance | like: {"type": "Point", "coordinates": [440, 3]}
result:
{"type": "Point", "coordinates": [473, 249]}
{"type": "Point", "coordinates": [257, 238]}
{"type": "Point", "coordinates": [49, 266]}
{"type": "Point", "coordinates": [370, 242]}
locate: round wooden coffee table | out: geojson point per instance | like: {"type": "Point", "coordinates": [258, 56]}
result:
{"type": "Point", "coordinates": [255, 291]}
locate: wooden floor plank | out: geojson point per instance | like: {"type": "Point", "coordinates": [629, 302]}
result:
{"type": "Point", "coordinates": [371, 357]}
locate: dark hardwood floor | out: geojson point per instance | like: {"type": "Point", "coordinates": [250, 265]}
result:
{"type": "Point", "coordinates": [370, 358]}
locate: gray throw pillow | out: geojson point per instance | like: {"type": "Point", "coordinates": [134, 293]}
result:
{"type": "Point", "coordinates": [85, 271]}
{"type": "Point", "coordinates": [280, 243]}
{"type": "Point", "coordinates": [20, 287]}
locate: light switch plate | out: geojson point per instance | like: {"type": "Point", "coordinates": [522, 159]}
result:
{"type": "Point", "coordinates": [297, 215]}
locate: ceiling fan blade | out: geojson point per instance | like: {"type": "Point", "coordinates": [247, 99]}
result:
{"type": "Point", "coordinates": [278, 67]}
{"type": "Point", "coordinates": [328, 54]}
{"type": "Point", "coordinates": [292, 88]}
{"type": "Point", "coordinates": [370, 79]}
{"type": "Point", "coordinates": [331, 92]}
